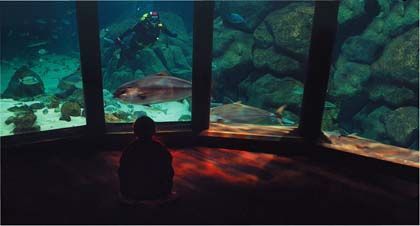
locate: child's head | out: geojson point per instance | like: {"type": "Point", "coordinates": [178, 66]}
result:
{"type": "Point", "coordinates": [144, 127]}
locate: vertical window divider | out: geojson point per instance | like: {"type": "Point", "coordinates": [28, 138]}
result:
{"type": "Point", "coordinates": [90, 63]}
{"type": "Point", "coordinates": [324, 30]}
{"type": "Point", "coordinates": [202, 59]}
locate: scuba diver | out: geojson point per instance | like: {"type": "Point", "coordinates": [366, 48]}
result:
{"type": "Point", "coordinates": [145, 33]}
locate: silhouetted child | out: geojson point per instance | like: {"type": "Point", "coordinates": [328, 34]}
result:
{"type": "Point", "coordinates": [145, 166]}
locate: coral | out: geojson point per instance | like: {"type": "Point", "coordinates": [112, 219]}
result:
{"type": "Point", "coordinates": [70, 109]}
{"type": "Point", "coordinates": [24, 122]}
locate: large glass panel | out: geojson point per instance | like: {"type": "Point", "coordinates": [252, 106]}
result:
{"type": "Point", "coordinates": [41, 84]}
{"type": "Point", "coordinates": [373, 91]}
{"type": "Point", "coordinates": [146, 51]}
{"type": "Point", "coordinates": [260, 49]}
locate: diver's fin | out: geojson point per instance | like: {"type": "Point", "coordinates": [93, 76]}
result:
{"type": "Point", "coordinates": [280, 110]}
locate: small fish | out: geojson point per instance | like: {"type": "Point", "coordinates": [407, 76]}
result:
{"type": "Point", "coordinates": [233, 18]}
{"type": "Point", "coordinates": [29, 80]}
{"type": "Point", "coordinates": [42, 52]}
{"type": "Point", "coordinates": [45, 111]}
{"type": "Point", "coordinates": [10, 33]}
{"type": "Point", "coordinates": [152, 89]}
{"type": "Point", "coordinates": [241, 113]}
{"type": "Point", "coordinates": [236, 21]}
{"type": "Point", "coordinates": [54, 37]}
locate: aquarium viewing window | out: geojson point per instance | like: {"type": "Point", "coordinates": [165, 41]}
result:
{"type": "Point", "coordinates": [146, 53]}
{"type": "Point", "coordinates": [273, 63]}
{"type": "Point", "coordinates": [41, 81]}
{"type": "Point", "coordinates": [260, 51]}
{"type": "Point", "coordinates": [374, 76]}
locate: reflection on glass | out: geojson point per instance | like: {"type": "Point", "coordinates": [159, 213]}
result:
{"type": "Point", "coordinates": [146, 51]}
{"type": "Point", "coordinates": [259, 54]}
{"type": "Point", "coordinates": [41, 84]}
{"type": "Point", "coordinates": [373, 90]}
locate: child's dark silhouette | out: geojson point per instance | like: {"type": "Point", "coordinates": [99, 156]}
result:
{"type": "Point", "coordinates": [146, 165]}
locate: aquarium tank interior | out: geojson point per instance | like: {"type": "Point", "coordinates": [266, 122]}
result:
{"type": "Point", "coordinates": [259, 62]}
{"type": "Point", "coordinates": [373, 91]}
{"type": "Point", "coordinates": [260, 51]}
{"type": "Point", "coordinates": [159, 59]}
{"type": "Point", "coordinates": [41, 83]}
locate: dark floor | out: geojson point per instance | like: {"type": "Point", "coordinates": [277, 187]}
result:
{"type": "Point", "coordinates": [215, 186]}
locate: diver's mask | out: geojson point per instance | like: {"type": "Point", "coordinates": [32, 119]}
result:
{"type": "Point", "coordinates": [154, 18]}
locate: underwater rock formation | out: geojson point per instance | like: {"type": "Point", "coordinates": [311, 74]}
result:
{"type": "Point", "coordinates": [70, 109]}
{"type": "Point", "coordinates": [349, 78]}
{"type": "Point", "coordinates": [173, 59]}
{"type": "Point", "coordinates": [401, 124]}
{"type": "Point", "coordinates": [391, 95]}
{"type": "Point", "coordinates": [275, 62]}
{"type": "Point", "coordinates": [330, 118]}
{"type": "Point", "coordinates": [288, 29]}
{"type": "Point", "coordinates": [399, 61]}
{"type": "Point", "coordinates": [372, 124]}
{"type": "Point", "coordinates": [117, 78]}
{"type": "Point", "coordinates": [270, 92]}
{"type": "Point", "coordinates": [360, 50]}
{"type": "Point", "coordinates": [24, 83]}
{"type": "Point", "coordinates": [392, 22]}
{"type": "Point", "coordinates": [149, 62]}
{"type": "Point", "coordinates": [232, 60]}
{"type": "Point", "coordinates": [350, 10]}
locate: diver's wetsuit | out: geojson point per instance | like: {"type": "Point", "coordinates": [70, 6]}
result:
{"type": "Point", "coordinates": [145, 34]}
